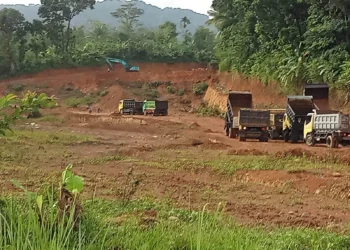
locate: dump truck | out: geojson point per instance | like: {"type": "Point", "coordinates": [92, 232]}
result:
{"type": "Point", "coordinates": [148, 107]}
{"type": "Point", "coordinates": [276, 123]}
{"type": "Point", "coordinates": [298, 107]}
{"type": "Point", "coordinates": [235, 101]}
{"type": "Point", "coordinates": [331, 127]}
{"type": "Point", "coordinates": [253, 124]}
{"type": "Point", "coordinates": [320, 94]}
{"type": "Point", "coordinates": [126, 106]}
{"type": "Point", "coordinates": [138, 110]}
{"type": "Point", "coordinates": [161, 108]}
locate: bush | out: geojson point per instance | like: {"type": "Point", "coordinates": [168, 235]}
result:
{"type": "Point", "coordinates": [209, 111]}
{"type": "Point", "coordinates": [181, 92]}
{"type": "Point", "coordinates": [170, 89]}
{"type": "Point", "coordinates": [74, 102]}
{"type": "Point", "coordinates": [200, 88]}
{"type": "Point", "coordinates": [104, 93]}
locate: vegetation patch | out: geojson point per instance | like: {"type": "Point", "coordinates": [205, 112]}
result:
{"type": "Point", "coordinates": [75, 102]}
{"type": "Point", "coordinates": [200, 88]}
{"type": "Point", "coordinates": [209, 111]}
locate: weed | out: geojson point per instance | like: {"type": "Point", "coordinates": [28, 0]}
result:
{"type": "Point", "coordinates": [181, 92]}
{"type": "Point", "coordinates": [130, 187]}
{"type": "Point", "coordinates": [171, 89]}
{"type": "Point", "coordinates": [50, 119]}
{"type": "Point", "coordinates": [102, 160]}
{"type": "Point", "coordinates": [200, 88]}
{"type": "Point", "coordinates": [104, 93]}
{"type": "Point", "coordinates": [74, 102]}
{"type": "Point", "coordinates": [210, 111]}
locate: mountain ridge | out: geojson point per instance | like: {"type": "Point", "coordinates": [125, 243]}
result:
{"type": "Point", "coordinates": [153, 15]}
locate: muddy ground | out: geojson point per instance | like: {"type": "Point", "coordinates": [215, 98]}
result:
{"type": "Point", "coordinates": [182, 158]}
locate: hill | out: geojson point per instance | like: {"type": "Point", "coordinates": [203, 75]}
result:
{"type": "Point", "coordinates": [152, 18]}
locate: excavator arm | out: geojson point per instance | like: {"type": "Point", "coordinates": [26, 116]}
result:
{"type": "Point", "coordinates": [127, 68]}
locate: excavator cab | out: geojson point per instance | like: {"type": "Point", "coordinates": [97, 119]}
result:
{"type": "Point", "coordinates": [320, 94]}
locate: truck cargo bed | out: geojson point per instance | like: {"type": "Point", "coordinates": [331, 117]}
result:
{"type": "Point", "coordinates": [254, 118]}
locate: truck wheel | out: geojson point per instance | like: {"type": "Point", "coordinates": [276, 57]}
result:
{"type": "Point", "coordinates": [330, 141]}
{"type": "Point", "coordinates": [242, 139]}
{"type": "Point", "coordinates": [286, 136]}
{"type": "Point", "coordinates": [145, 113]}
{"type": "Point", "coordinates": [310, 140]}
{"type": "Point", "coordinates": [294, 138]}
{"type": "Point", "coordinates": [233, 133]}
{"type": "Point", "coordinates": [274, 135]}
{"type": "Point", "coordinates": [122, 112]}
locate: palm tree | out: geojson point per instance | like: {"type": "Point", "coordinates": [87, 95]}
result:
{"type": "Point", "coordinates": [184, 23]}
{"type": "Point", "coordinates": [220, 20]}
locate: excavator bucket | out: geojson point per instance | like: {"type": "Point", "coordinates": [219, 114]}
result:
{"type": "Point", "coordinates": [320, 94]}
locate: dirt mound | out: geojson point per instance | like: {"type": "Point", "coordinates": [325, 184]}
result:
{"type": "Point", "coordinates": [111, 100]}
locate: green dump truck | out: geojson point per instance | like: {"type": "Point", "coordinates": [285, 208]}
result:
{"type": "Point", "coordinates": [148, 107]}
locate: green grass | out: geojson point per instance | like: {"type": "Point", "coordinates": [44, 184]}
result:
{"type": "Point", "coordinates": [227, 164]}
{"type": "Point", "coordinates": [200, 88]}
{"type": "Point", "coordinates": [46, 137]}
{"type": "Point", "coordinates": [205, 110]}
{"type": "Point", "coordinates": [74, 102]}
{"type": "Point", "coordinates": [144, 224]}
{"type": "Point", "coordinates": [169, 228]}
{"type": "Point", "coordinates": [49, 119]}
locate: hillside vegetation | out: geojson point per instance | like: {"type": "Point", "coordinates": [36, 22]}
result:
{"type": "Point", "coordinates": [291, 41]}
{"type": "Point", "coordinates": [102, 10]}
{"type": "Point", "coordinates": [54, 41]}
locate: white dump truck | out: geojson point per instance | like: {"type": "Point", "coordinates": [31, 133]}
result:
{"type": "Point", "coordinates": [331, 127]}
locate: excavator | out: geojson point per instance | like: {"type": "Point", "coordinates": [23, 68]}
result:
{"type": "Point", "coordinates": [126, 66]}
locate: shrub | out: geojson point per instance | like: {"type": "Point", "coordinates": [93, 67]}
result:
{"type": "Point", "coordinates": [200, 88]}
{"type": "Point", "coordinates": [170, 89]}
{"type": "Point", "coordinates": [210, 111]}
{"type": "Point", "coordinates": [181, 92]}
{"type": "Point", "coordinates": [74, 102]}
{"type": "Point", "coordinates": [104, 93]}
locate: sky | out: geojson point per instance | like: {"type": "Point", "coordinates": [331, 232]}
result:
{"type": "Point", "coordinates": [200, 6]}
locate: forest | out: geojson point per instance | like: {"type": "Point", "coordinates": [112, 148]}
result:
{"type": "Point", "coordinates": [53, 41]}
{"type": "Point", "coordinates": [289, 41]}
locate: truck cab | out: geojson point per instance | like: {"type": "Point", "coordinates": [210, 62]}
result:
{"type": "Point", "coordinates": [148, 107]}
{"type": "Point", "coordinates": [329, 126]}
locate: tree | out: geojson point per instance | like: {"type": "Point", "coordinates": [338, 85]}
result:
{"type": "Point", "coordinates": [12, 25]}
{"type": "Point", "coordinates": [184, 23]}
{"type": "Point", "coordinates": [128, 14]}
{"type": "Point", "coordinates": [58, 13]}
{"type": "Point", "coordinates": [168, 31]}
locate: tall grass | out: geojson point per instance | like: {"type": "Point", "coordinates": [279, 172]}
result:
{"type": "Point", "coordinates": [23, 225]}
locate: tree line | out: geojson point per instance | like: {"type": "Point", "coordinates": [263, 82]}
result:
{"type": "Point", "coordinates": [53, 42]}
{"type": "Point", "coordinates": [288, 41]}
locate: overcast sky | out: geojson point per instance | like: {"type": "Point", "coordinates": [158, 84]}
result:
{"type": "Point", "coordinates": [200, 6]}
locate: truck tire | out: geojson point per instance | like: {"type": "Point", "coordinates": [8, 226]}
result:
{"type": "Point", "coordinates": [242, 139]}
{"type": "Point", "coordinates": [331, 142]}
{"type": "Point", "coordinates": [233, 133]}
{"type": "Point", "coordinates": [122, 112]}
{"type": "Point", "coordinates": [144, 113]}
{"type": "Point", "coordinates": [310, 140]}
{"type": "Point", "coordinates": [294, 137]}
{"type": "Point", "coordinates": [274, 135]}
{"type": "Point", "coordinates": [286, 136]}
